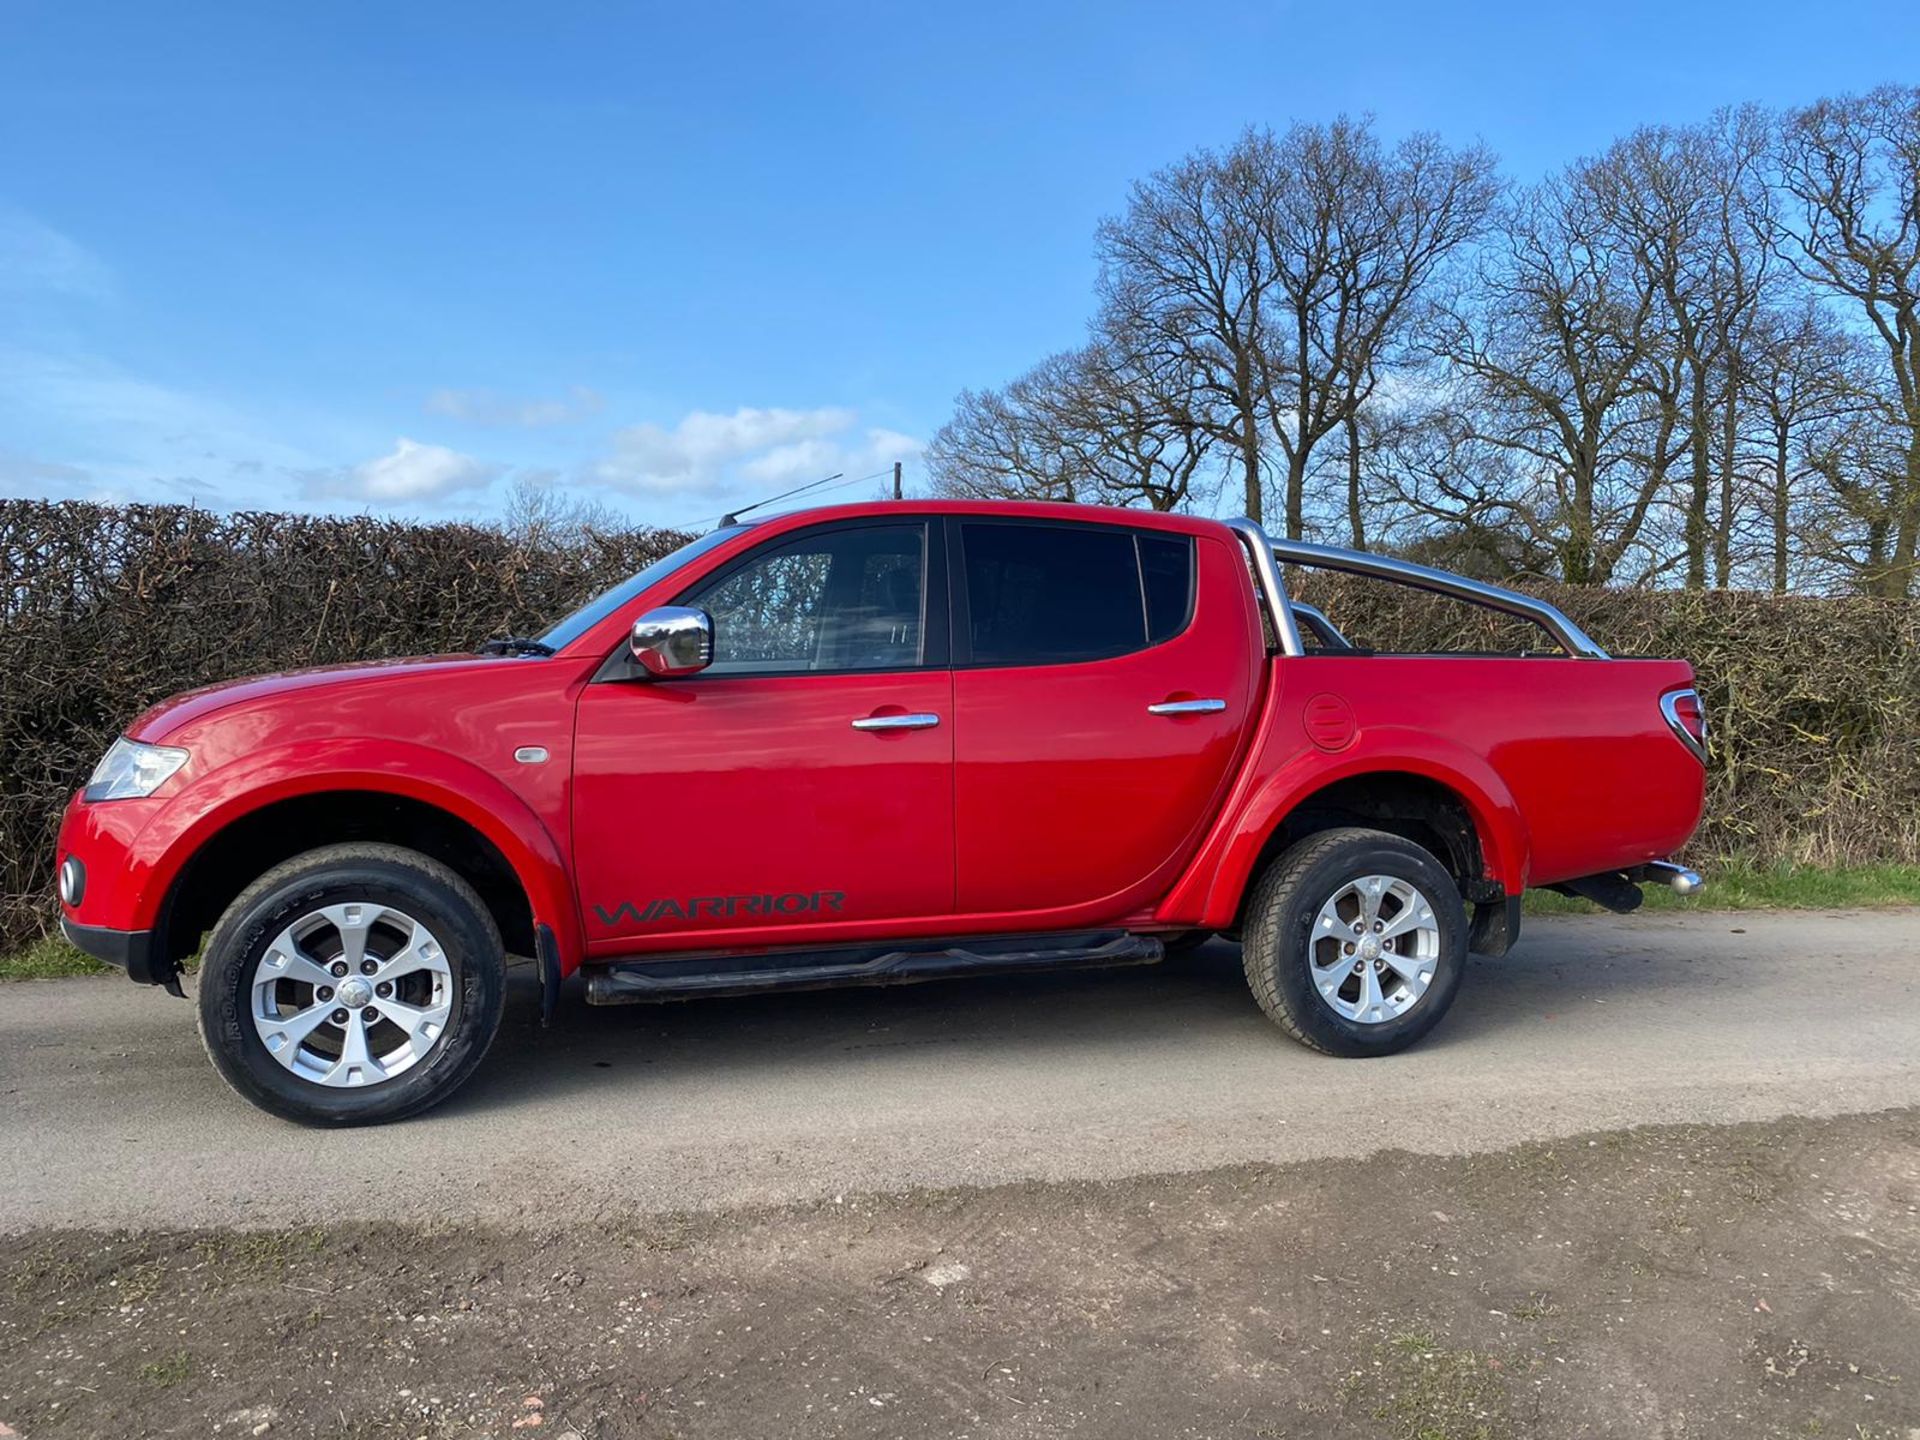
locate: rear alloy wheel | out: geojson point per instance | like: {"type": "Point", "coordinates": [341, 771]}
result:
{"type": "Point", "coordinates": [353, 984]}
{"type": "Point", "coordinates": [1373, 949]}
{"type": "Point", "coordinates": [1355, 942]}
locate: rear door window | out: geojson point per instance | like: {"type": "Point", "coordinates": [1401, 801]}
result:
{"type": "Point", "coordinates": [1059, 594]}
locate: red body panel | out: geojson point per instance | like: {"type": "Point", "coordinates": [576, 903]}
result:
{"type": "Point", "coordinates": [1048, 798]}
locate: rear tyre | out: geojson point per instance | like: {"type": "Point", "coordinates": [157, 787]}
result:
{"type": "Point", "coordinates": [1355, 943]}
{"type": "Point", "coordinates": [352, 985]}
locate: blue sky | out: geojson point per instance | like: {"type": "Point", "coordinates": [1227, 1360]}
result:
{"type": "Point", "coordinates": [393, 257]}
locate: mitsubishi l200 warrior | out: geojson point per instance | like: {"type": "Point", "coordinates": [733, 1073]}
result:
{"type": "Point", "coordinates": [863, 745]}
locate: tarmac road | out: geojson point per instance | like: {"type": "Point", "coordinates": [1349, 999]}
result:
{"type": "Point", "coordinates": [111, 1116]}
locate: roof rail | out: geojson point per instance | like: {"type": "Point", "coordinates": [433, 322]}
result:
{"type": "Point", "coordinates": [1266, 553]}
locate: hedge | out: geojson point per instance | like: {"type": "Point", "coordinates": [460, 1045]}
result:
{"type": "Point", "coordinates": [109, 609]}
{"type": "Point", "coordinates": [1815, 702]}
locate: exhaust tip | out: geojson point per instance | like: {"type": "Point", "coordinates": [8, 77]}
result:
{"type": "Point", "coordinates": [1680, 879]}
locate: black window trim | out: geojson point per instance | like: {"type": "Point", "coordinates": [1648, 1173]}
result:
{"type": "Point", "coordinates": [935, 624]}
{"type": "Point", "coordinates": [960, 617]}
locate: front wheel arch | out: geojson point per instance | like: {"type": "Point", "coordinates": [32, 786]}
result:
{"type": "Point", "coordinates": [250, 845]}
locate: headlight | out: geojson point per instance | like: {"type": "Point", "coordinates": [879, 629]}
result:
{"type": "Point", "coordinates": [131, 771]}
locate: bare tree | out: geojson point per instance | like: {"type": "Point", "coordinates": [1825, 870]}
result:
{"type": "Point", "coordinates": [1805, 382]}
{"type": "Point", "coordinates": [1446, 496]}
{"type": "Point", "coordinates": [1281, 275]}
{"type": "Point", "coordinates": [1851, 170]}
{"type": "Point", "coordinates": [1556, 350]}
{"type": "Point", "coordinates": [1088, 425]}
{"type": "Point", "coordinates": [541, 514]}
{"type": "Point", "coordinates": [1692, 359]}
{"type": "Point", "coordinates": [1692, 209]}
{"type": "Point", "coordinates": [1183, 275]}
{"type": "Point", "coordinates": [1353, 234]}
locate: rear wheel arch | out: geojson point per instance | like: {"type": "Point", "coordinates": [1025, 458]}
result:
{"type": "Point", "coordinates": [1437, 816]}
{"type": "Point", "coordinates": [249, 845]}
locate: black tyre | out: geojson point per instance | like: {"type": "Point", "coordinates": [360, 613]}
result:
{"type": "Point", "coordinates": [1355, 942]}
{"type": "Point", "coordinates": [351, 985]}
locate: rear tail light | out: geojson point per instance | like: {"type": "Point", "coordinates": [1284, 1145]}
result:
{"type": "Point", "coordinates": [1687, 719]}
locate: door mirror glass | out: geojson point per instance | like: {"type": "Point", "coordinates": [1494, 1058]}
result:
{"type": "Point", "coordinates": [672, 640]}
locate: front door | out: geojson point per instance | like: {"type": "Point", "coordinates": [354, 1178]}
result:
{"type": "Point", "coordinates": [804, 780]}
{"type": "Point", "coordinates": [1102, 683]}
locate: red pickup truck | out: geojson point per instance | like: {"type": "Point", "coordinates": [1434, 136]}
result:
{"type": "Point", "coordinates": [870, 744]}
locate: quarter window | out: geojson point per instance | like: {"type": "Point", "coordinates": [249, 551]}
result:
{"type": "Point", "coordinates": [852, 599]}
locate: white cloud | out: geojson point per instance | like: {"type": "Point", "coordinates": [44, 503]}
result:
{"type": "Point", "coordinates": [36, 257]}
{"type": "Point", "coordinates": [411, 471]}
{"type": "Point", "coordinates": [489, 407]}
{"type": "Point", "coordinates": [707, 454]}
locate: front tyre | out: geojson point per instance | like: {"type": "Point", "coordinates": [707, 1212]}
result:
{"type": "Point", "coordinates": [351, 985]}
{"type": "Point", "coordinates": [1355, 942]}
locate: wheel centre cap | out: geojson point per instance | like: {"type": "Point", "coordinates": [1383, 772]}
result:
{"type": "Point", "coordinates": [1369, 949]}
{"type": "Point", "coordinates": [354, 993]}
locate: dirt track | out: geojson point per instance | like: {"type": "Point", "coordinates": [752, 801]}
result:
{"type": "Point", "coordinates": [1713, 1282]}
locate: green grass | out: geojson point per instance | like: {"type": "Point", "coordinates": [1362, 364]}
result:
{"type": "Point", "coordinates": [165, 1373]}
{"type": "Point", "coordinates": [47, 959]}
{"type": "Point", "coordinates": [1782, 888]}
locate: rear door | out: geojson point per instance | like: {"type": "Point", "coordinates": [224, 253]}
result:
{"type": "Point", "coordinates": [1102, 680]}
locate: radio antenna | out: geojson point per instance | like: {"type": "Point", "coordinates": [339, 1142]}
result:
{"type": "Point", "coordinates": [732, 517]}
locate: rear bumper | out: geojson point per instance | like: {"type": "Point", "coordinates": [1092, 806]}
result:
{"type": "Point", "coordinates": [133, 951]}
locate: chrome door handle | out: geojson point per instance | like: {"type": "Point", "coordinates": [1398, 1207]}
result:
{"type": "Point", "coordinates": [1187, 707]}
{"type": "Point", "coordinates": [921, 720]}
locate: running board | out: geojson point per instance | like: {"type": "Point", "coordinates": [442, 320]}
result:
{"type": "Point", "coordinates": [635, 982]}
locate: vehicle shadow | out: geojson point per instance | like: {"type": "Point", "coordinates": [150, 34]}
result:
{"type": "Point", "coordinates": [1096, 1017]}
{"type": "Point", "coordinates": [590, 1047]}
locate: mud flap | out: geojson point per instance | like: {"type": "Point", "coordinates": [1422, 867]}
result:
{"type": "Point", "coordinates": [1496, 925]}
{"type": "Point", "coordinates": [547, 952]}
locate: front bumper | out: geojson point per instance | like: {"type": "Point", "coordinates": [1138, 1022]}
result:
{"type": "Point", "coordinates": [133, 951]}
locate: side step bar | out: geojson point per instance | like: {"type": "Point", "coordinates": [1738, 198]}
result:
{"type": "Point", "coordinates": [632, 982]}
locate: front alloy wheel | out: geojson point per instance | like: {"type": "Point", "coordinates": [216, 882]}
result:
{"type": "Point", "coordinates": [350, 985]}
{"type": "Point", "coordinates": [352, 995]}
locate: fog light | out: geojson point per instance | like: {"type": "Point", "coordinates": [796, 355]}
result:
{"type": "Point", "coordinates": [73, 880]}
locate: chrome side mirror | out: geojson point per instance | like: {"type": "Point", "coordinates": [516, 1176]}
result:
{"type": "Point", "coordinates": [672, 640]}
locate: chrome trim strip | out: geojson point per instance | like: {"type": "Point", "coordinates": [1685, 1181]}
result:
{"type": "Point", "coordinates": [920, 720]}
{"type": "Point", "coordinates": [1670, 710]}
{"type": "Point", "coordinates": [1272, 588]}
{"type": "Point", "coordinates": [1187, 707]}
